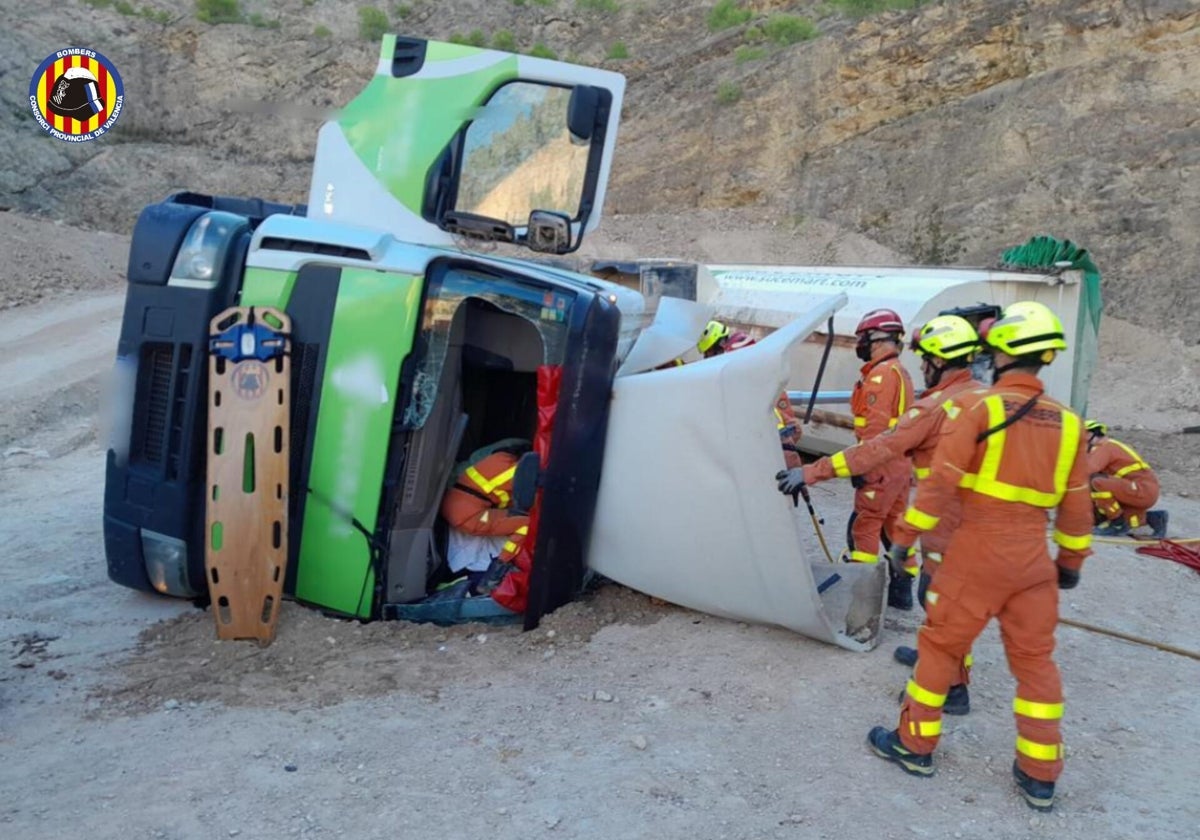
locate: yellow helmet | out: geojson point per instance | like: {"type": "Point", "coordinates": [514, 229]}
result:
{"type": "Point", "coordinates": [713, 332]}
{"type": "Point", "coordinates": [1025, 328]}
{"type": "Point", "coordinates": [946, 337]}
{"type": "Point", "coordinates": [1095, 427]}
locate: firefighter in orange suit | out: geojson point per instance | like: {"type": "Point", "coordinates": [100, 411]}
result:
{"type": "Point", "coordinates": [1124, 488]}
{"type": "Point", "coordinates": [1011, 454]}
{"type": "Point", "coordinates": [947, 345]}
{"type": "Point", "coordinates": [479, 503]}
{"type": "Point", "coordinates": [881, 396]}
{"type": "Point", "coordinates": [716, 339]}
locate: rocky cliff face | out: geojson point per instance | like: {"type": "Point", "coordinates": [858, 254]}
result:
{"type": "Point", "coordinates": [946, 133]}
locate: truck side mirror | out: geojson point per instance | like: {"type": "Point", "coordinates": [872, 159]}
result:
{"type": "Point", "coordinates": [525, 481]}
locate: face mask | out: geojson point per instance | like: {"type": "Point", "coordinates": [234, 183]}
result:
{"type": "Point", "coordinates": [863, 348]}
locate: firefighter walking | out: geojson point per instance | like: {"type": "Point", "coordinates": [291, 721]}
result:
{"type": "Point", "coordinates": [1012, 454]}
{"type": "Point", "coordinates": [947, 345]}
{"type": "Point", "coordinates": [882, 394]}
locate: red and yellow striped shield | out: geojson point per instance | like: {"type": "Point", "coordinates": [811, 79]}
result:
{"type": "Point", "coordinates": [76, 94]}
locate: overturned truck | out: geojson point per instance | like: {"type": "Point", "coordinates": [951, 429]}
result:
{"type": "Point", "coordinates": [410, 348]}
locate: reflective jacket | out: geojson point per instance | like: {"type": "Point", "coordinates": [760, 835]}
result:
{"type": "Point", "coordinates": [477, 502]}
{"type": "Point", "coordinates": [1113, 458]}
{"type": "Point", "coordinates": [915, 436]}
{"type": "Point", "coordinates": [881, 395]}
{"type": "Point", "coordinates": [1009, 478]}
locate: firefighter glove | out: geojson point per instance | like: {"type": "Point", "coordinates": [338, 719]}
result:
{"type": "Point", "coordinates": [857, 481]}
{"type": "Point", "coordinates": [791, 482]}
{"type": "Point", "coordinates": [898, 558]}
{"type": "Point", "coordinates": [1067, 578]}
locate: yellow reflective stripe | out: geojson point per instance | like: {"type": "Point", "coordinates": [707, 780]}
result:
{"type": "Point", "coordinates": [924, 696]}
{"type": "Point", "coordinates": [489, 485]}
{"type": "Point", "coordinates": [913, 571]}
{"type": "Point", "coordinates": [985, 483]}
{"type": "Point", "coordinates": [1138, 463]}
{"type": "Point", "coordinates": [1041, 752]}
{"type": "Point", "coordinates": [903, 403]}
{"type": "Point", "coordinates": [920, 520]}
{"type": "Point", "coordinates": [968, 660]}
{"type": "Point", "coordinates": [779, 417]}
{"type": "Point", "coordinates": [511, 546]}
{"type": "Point", "coordinates": [1101, 494]}
{"type": "Point", "coordinates": [921, 472]}
{"type": "Point", "coordinates": [1068, 443]}
{"type": "Point", "coordinates": [1073, 543]}
{"type": "Point", "coordinates": [892, 423]}
{"type": "Point", "coordinates": [859, 422]}
{"type": "Point", "coordinates": [864, 557]}
{"type": "Point", "coordinates": [840, 468]}
{"type": "Point", "coordinates": [925, 728]}
{"type": "Point", "coordinates": [1038, 711]}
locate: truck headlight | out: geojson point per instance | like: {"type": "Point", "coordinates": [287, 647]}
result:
{"type": "Point", "coordinates": [196, 263]}
{"type": "Point", "coordinates": [166, 564]}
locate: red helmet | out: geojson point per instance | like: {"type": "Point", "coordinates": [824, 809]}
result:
{"type": "Point", "coordinates": [883, 320]}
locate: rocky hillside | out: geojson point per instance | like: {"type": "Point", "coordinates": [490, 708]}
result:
{"type": "Point", "coordinates": [944, 132]}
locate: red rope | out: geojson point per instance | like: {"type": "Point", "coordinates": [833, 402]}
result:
{"type": "Point", "coordinates": [1168, 550]}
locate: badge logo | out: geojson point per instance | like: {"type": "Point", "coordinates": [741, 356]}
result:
{"type": "Point", "coordinates": [76, 95]}
{"type": "Point", "coordinates": [250, 379]}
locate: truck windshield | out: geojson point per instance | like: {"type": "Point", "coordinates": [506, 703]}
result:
{"type": "Point", "coordinates": [545, 308]}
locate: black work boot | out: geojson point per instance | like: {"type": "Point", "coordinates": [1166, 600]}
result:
{"type": "Point", "coordinates": [1112, 528]}
{"type": "Point", "coordinates": [900, 591]}
{"type": "Point", "coordinates": [886, 744]}
{"type": "Point", "coordinates": [1157, 520]}
{"type": "Point", "coordinates": [958, 700]}
{"type": "Point", "coordinates": [905, 655]}
{"type": "Point", "coordinates": [1038, 795]}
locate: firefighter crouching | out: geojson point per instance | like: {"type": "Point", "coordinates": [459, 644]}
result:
{"type": "Point", "coordinates": [947, 346]}
{"type": "Point", "coordinates": [485, 531]}
{"type": "Point", "coordinates": [716, 339]}
{"type": "Point", "coordinates": [1124, 488]}
{"type": "Point", "coordinates": [1012, 454]}
{"type": "Point", "coordinates": [880, 398]}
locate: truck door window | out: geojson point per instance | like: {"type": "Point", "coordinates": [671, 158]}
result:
{"type": "Point", "coordinates": [546, 309]}
{"type": "Point", "coordinates": [518, 155]}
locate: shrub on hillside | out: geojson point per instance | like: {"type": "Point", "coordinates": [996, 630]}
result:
{"type": "Point", "coordinates": [728, 93]}
{"type": "Point", "coordinates": [861, 8]}
{"type": "Point", "coordinates": [218, 11]}
{"type": "Point", "coordinates": [372, 23]}
{"type": "Point", "coordinates": [789, 29]}
{"type": "Point", "coordinates": [727, 13]}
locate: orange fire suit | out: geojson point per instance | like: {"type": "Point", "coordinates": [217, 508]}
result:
{"type": "Point", "coordinates": [880, 397]}
{"type": "Point", "coordinates": [1122, 483]}
{"type": "Point", "coordinates": [997, 564]}
{"type": "Point", "coordinates": [477, 502]}
{"type": "Point", "coordinates": [916, 435]}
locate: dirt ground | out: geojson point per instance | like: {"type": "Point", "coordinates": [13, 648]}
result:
{"type": "Point", "coordinates": [122, 717]}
